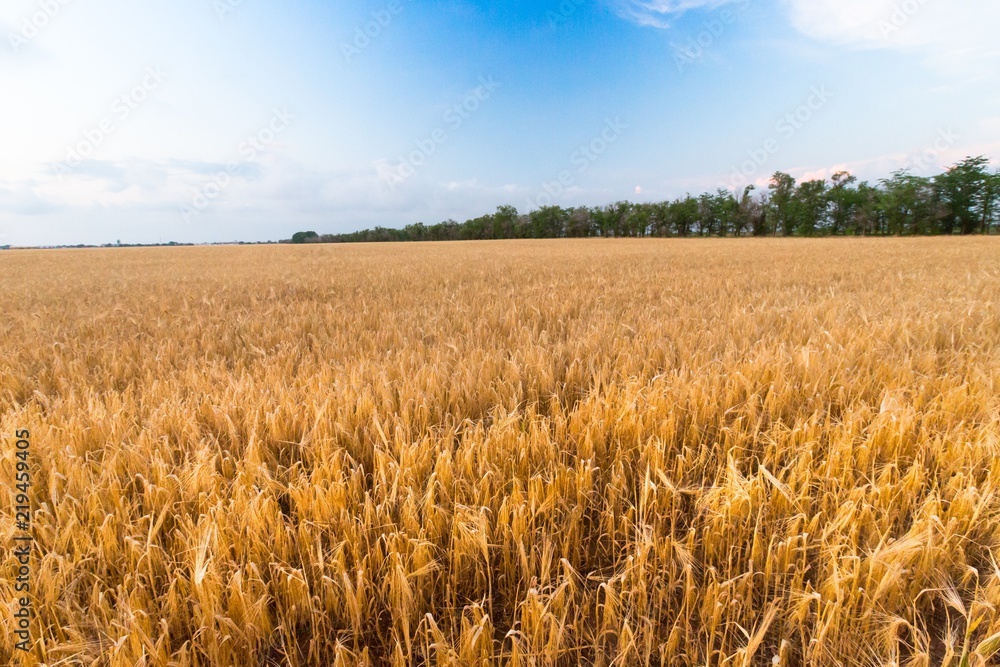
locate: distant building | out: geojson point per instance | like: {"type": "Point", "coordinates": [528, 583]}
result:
{"type": "Point", "coordinates": [4, 247]}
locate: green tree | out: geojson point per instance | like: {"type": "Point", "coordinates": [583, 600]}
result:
{"type": "Point", "coordinates": [843, 202]}
{"type": "Point", "coordinates": [580, 223]}
{"type": "Point", "coordinates": [620, 213]}
{"type": "Point", "coordinates": [601, 219]}
{"type": "Point", "coordinates": [868, 218]}
{"type": "Point", "coordinates": [962, 191]}
{"type": "Point", "coordinates": [810, 206]}
{"type": "Point", "coordinates": [747, 208]}
{"type": "Point", "coordinates": [706, 222]}
{"type": "Point", "coordinates": [990, 202]}
{"type": "Point", "coordinates": [641, 219]}
{"type": "Point", "coordinates": [505, 222]}
{"type": "Point", "coordinates": [911, 205]}
{"type": "Point", "coordinates": [782, 203]}
{"type": "Point", "coordinates": [304, 237]}
{"type": "Point", "coordinates": [760, 223]}
{"type": "Point", "coordinates": [548, 222]}
{"type": "Point", "coordinates": [684, 214]}
{"type": "Point", "coordinates": [727, 209]}
{"type": "Point", "coordinates": [965, 199]}
{"type": "Point", "coordinates": [660, 219]}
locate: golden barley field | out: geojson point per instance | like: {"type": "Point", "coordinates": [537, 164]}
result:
{"type": "Point", "coordinates": [695, 453]}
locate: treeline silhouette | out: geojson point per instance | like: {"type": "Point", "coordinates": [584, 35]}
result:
{"type": "Point", "coordinates": [965, 199]}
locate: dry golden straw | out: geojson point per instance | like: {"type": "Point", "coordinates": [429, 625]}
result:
{"type": "Point", "coordinates": [705, 453]}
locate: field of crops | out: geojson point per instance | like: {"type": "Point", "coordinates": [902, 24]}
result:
{"type": "Point", "coordinates": [692, 453]}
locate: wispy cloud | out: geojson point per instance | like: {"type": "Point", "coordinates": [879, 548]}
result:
{"type": "Point", "coordinates": [951, 35]}
{"type": "Point", "coordinates": [928, 159]}
{"type": "Point", "coordinates": [662, 13]}
{"type": "Point", "coordinates": [21, 200]}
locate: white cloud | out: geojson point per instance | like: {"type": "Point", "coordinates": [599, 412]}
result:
{"type": "Point", "coordinates": [268, 199]}
{"type": "Point", "coordinates": [948, 34]}
{"type": "Point", "coordinates": [926, 160]}
{"type": "Point", "coordinates": [660, 13]}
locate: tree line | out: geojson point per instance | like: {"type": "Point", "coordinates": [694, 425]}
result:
{"type": "Point", "coordinates": [965, 199]}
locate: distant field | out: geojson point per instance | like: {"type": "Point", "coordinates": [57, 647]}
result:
{"type": "Point", "coordinates": [709, 452]}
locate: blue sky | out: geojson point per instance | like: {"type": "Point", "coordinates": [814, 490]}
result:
{"type": "Point", "coordinates": [216, 120]}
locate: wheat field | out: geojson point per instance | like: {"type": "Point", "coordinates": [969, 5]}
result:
{"type": "Point", "coordinates": [660, 452]}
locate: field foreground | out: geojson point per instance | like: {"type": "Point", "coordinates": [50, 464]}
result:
{"type": "Point", "coordinates": [743, 452]}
